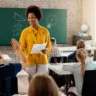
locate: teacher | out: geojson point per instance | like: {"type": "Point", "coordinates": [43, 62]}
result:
{"type": "Point", "coordinates": [35, 34]}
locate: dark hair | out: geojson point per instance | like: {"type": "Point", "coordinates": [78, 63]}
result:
{"type": "Point", "coordinates": [36, 10]}
{"type": "Point", "coordinates": [80, 44]}
{"type": "Point", "coordinates": [43, 85]}
{"type": "Point", "coordinates": [53, 40]}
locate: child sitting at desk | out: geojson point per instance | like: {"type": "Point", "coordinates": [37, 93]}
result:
{"type": "Point", "coordinates": [80, 44]}
{"type": "Point", "coordinates": [43, 85]}
{"type": "Point", "coordinates": [8, 80]}
{"type": "Point", "coordinates": [15, 66]}
{"type": "Point", "coordinates": [79, 68]}
{"type": "Point", "coordinates": [55, 52]}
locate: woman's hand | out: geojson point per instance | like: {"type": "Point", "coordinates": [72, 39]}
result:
{"type": "Point", "coordinates": [15, 44]}
{"type": "Point", "coordinates": [44, 51]}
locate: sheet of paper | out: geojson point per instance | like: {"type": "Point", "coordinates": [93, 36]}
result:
{"type": "Point", "coordinates": [37, 48]}
{"type": "Point", "coordinates": [6, 57]}
{"type": "Point", "coordinates": [19, 95]}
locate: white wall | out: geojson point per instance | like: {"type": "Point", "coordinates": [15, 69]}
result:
{"type": "Point", "coordinates": [89, 16]}
{"type": "Point", "coordinates": [95, 20]}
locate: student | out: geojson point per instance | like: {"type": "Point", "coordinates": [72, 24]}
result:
{"type": "Point", "coordinates": [80, 44]}
{"type": "Point", "coordinates": [8, 80]}
{"type": "Point", "coordinates": [43, 85]}
{"type": "Point", "coordinates": [35, 34]}
{"type": "Point", "coordinates": [16, 47]}
{"type": "Point", "coordinates": [55, 52]}
{"type": "Point", "coordinates": [78, 69]}
{"type": "Point", "coordinates": [13, 66]}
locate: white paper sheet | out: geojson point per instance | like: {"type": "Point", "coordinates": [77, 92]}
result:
{"type": "Point", "coordinates": [6, 57]}
{"type": "Point", "coordinates": [19, 95]}
{"type": "Point", "coordinates": [37, 48]}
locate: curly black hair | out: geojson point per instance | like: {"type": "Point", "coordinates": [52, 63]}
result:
{"type": "Point", "coordinates": [36, 10]}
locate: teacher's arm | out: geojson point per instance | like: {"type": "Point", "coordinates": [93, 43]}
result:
{"type": "Point", "coordinates": [48, 45]}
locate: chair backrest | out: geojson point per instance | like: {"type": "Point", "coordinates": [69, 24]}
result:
{"type": "Point", "coordinates": [94, 56]}
{"type": "Point", "coordinates": [89, 83]}
{"type": "Point", "coordinates": [55, 59]}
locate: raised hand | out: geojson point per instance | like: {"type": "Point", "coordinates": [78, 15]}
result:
{"type": "Point", "coordinates": [15, 44]}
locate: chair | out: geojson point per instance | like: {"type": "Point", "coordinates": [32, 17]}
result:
{"type": "Point", "coordinates": [55, 60]}
{"type": "Point", "coordinates": [94, 56]}
{"type": "Point", "coordinates": [89, 83]}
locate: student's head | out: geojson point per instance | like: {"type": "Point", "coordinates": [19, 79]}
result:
{"type": "Point", "coordinates": [53, 41]}
{"type": "Point", "coordinates": [81, 56]}
{"type": "Point", "coordinates": [80, 44]}
{"type": "Point", "coordinates": [42, 85]}
{"type": "Point", "coordinates": [34, 14]}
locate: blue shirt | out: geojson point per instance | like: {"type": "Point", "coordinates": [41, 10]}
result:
{"type": "Point", "coordinates": [8, 80]}
{"type": "Point", "coordinates": [9, 70]}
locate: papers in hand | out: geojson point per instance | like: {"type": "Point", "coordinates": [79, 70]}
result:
{"type": "Point", "coordinates": [37, 48]}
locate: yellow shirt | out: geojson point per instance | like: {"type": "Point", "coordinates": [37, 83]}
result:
{"type": "Point", "coordinates": [28, 38]}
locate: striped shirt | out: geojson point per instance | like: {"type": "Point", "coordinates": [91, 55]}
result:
{"type": "Point", "coordinates": [55, 52]}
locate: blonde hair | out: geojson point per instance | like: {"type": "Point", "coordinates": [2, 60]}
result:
{"type": "Point", "coordinates": [82, 55]}
{"type": "Point", "coordinates": [80, 44]}
{"type": "Point", "coordinates": [42, 85]}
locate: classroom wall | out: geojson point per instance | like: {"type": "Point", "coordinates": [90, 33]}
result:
{"type": "Point", "coordinates": [95, 20]}
{"type": "Point", "coordinates": [89, 16]}
{"type": "Point", "coordinates": [73, 11]}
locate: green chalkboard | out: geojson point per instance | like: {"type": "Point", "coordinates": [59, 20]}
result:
{"type": "Point", "coordinates": [13, 21]}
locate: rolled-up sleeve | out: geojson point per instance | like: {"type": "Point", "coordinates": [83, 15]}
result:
{"type": "Point", "coordinates": [22, 41]}
{"type": "Point", "coordinates": [48, 43]}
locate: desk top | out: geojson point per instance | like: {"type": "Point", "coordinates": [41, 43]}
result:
{"type": "Point", "coordinates": [73, 48]}
{"type": "Point", "coordinates": [58, 68]}
{"type": "Point", "coordinates": [65, 54]}
{"type": "Point", "coordinates": [67, 49]}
